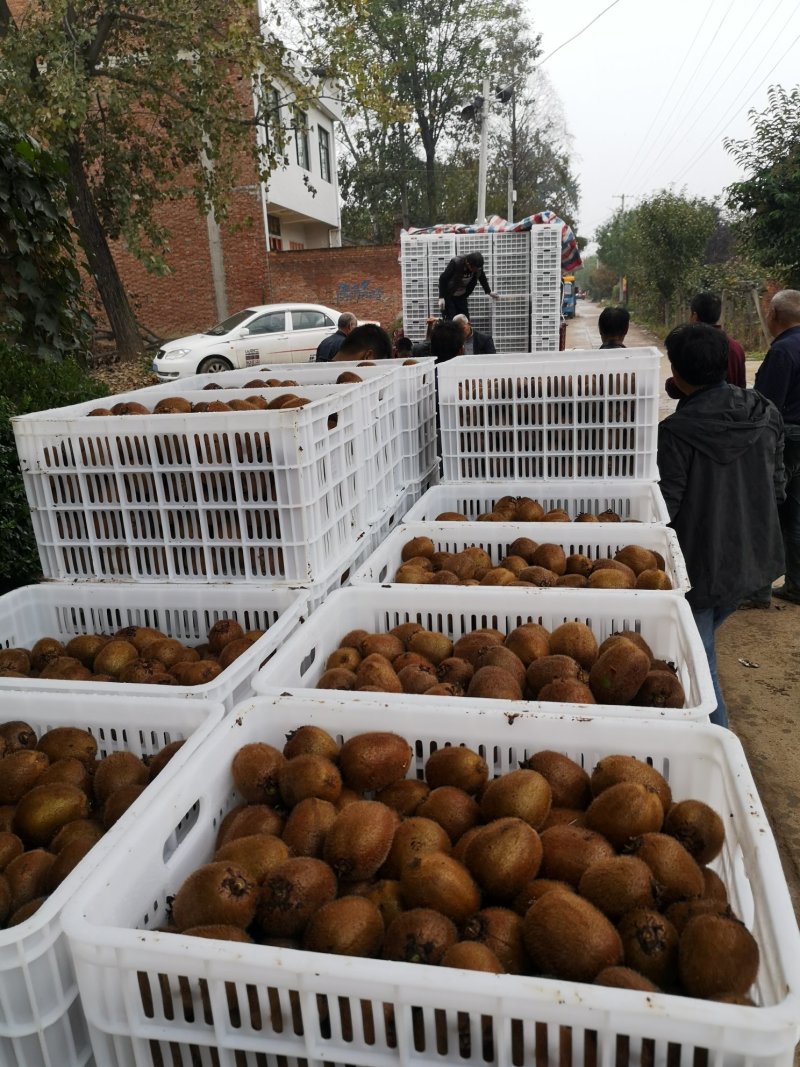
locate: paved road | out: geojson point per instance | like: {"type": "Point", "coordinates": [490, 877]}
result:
{"type": "Point", "coordinates": [763, 697]}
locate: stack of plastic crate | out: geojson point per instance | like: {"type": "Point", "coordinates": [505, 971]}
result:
{"type": "Point", "coordinates": [416, 297]}
{"type": "Point", "coordinates": [545, 287]}
{"type": "Point", "coordinates": [511, 280]}
{"type": "Point", "coordinates": [481, 306]}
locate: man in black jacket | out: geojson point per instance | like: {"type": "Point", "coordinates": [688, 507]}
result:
{"type": "Point", "coordinates": [720, 458]}
{"type": "Point", "coordinates": [457, 281]}
{"type": "Point", "coordinates": [329, 346]}
{"type": "Point", "coordinates": [475, 343]}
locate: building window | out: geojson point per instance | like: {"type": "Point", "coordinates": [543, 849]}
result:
{"type": "Point", "coordinates": [324, 154]}
{"type": "Point", "coordinates": [274, 230]}
{"type": "Point", "coordinates": [301, 139]}
{"type": "Point", "coordinates": [274, 117]}
{"type": "Point", "coordinates": [296, 246]}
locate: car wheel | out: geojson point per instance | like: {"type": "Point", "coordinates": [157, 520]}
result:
{"type": "Point", "coordinates": [214, 364]}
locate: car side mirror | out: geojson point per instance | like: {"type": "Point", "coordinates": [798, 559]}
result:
{"type": "Point", "coordinates": [243, 333]}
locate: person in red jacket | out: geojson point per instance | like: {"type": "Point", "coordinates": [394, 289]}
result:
{"type": "Point", "coordinates": [707, 308]}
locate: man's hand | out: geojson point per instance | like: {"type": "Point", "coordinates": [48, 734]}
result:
{"type": "Point", "coordinates": [441, 303]}
{"type": "Point", "coordinates": [494, 296]}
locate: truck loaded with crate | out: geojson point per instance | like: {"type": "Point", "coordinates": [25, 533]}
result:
{"type": "Point", "coordinates": [512, 777]}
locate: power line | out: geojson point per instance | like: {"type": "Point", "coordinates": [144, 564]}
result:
{"type": "Point", "coordinates": [735, 107]}
{"type": "Point", "coordinates": [578, 34]}
{"type": "Point", "coordinates": [652, 162]}
{"type": "Point", "coordinates": [651, 127]}
{"type": "Point", "coordinates": [749, 45]}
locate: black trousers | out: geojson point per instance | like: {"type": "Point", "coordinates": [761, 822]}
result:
{"type": "Point", "coordinates": [455, 305]}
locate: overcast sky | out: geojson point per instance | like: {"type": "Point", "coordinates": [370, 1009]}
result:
{"type": "Point", "coordinates": [651, 89]}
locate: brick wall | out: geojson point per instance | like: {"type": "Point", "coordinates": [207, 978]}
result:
{"type": "Point", "coordinates": [364, 280]}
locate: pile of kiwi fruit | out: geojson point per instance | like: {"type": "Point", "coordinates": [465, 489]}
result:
{"type": "Point", "coordinates": [527, 563]}
{"type": "Point", "coordinates": [133, 655]}
{"type": "Point", "coordinates": [530, 663]}
{"type": "Point", "coordinates": [525, 509]}
{"type": "Point", "coordinates": [57, 799]}
{"type": "Point", "coordinates": [545, 870]}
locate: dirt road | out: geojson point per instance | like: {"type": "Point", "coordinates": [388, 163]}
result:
{"type": "Point", "coordinates": [763, 698]}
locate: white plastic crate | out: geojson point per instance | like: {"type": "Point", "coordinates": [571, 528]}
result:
{"type": "Point", "coordinates": [579, 415]}
{"type": "Point", "coordinates": [41, 1016]}
{"type": "Point", "coordinates": [339, 576]}
{"type": "Point", "coordinates": [546, 247]}
{"type": "Point", "coordinates": [632, 500]}
{"type": "Point", "coordinates": [597, 540]}
{"type": "Point", "coordinates": [154, 998]}
{"type": "Point", "coordinates": [185, 612]}
{"type": "Point", "coordinates": [239, 496]}
{"type": "Point", "coordinates": [664, 620]}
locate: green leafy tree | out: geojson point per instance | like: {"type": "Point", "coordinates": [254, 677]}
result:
{"type": "Point", "coordinates": [415, 63]}
{"type": "Point", "coordinates": [147, 103]}
{"type": "Point", "coordinates": [767, 199]}
{"type": "Point", "coordinates": [41, 305]}
{"type": "Point", "coordinates": [667, 239]}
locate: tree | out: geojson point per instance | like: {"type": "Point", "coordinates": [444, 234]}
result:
{"type": "Point", "coordinates": [667, 239]}
{"type": "Point", "coordinates": [419, 60]}
{"type": "Point", "coordinates": [147, 103]}
{"type": "Point", "coordinates": [41, 305]}
{"type": "Point", "coordinates": [767, 199]}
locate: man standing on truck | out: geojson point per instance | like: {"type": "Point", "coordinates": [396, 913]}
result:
{"type": "Point", "coordinates": [457, 281]}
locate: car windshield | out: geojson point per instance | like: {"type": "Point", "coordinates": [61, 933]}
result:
{"type": "Point", "coordinates": [229, 324]}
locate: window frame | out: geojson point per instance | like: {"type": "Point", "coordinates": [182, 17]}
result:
{"type": "Point", "coordinates": [325, 168]}
{"type": "Point", "coordinates": [301, 138]}
{"type": "Point", "coordinates": [324, 325]}
{"type": "Point", "coordinates": [266, 333]}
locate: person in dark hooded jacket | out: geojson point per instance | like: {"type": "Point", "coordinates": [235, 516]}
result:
{"type": "Point", "coordinates": [720, 460]}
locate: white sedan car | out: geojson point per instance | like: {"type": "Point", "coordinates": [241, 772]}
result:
{"type": "Point", "coordinates": [271, 333]}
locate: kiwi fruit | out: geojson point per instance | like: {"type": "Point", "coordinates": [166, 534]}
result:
{"type": "Point", "coordinates": [625, 978]}
{"type": "Point", "coordinates": [358, 841]}
{"type": "Point", "coordinates": [564, 816]}
{"type": "Point", "coordinates": [436, 880]}
{"type": "Point", "coordinates": [498, 576]}
{"type": "Point", "coordinates": [219, 931]}
{"type": "Point", "coordinates": [653, 579]}
{"type": "Point", "coordinates": [45, 650]}
{"type": "Point", "coordinates": [620, 768]}
{"type": "Point", "coordinates": [377, 671]}
{"type": "Point", "coordinates": [550, 669]}
{"type": "Point", "coordinates": [385, 894]}
{"type": "Point", "coordinates": [16, 734]}
{"type": "Point", "coordinates": [170, 652]}
{"type": "Point", "coordinates": [233, 650]}
{"type": "Point", "coordinates": [578, 564]}
{"type": "Point", "coordinates": [472, 956]}
{"type": "Point", "coordinates": [216, 893]}
{"type": "Point", "coordinates": [505, 659]}
{"type": "Point", "coordinates": [515, 564]}
{"type": "Point", "coordinates": [25, 911]}
{"type": "Point", "coordinates": [372, 761]}
{"type": "Point", "coordinates": [66, 668]}
{"type": "Point", "coordinates": [456, 672]}
{"type": "Point", "coordinates": [85, 647]}
{"type": "Point", "coordinates": [307, 826]}
{"type": "Point", "coordinates": [556, 515]}
{"type": "Point", "coordinates": [566, 691]}
{"type": "Point", "coordinates": [349, 926]}
{"type": "Point", "coordinates": [291, 895]}
{"type": "Point", "coordinates": [417, 546]}
{"type": "Point", "coordinates": [27, 876]}
{"type": "Point", "coordinates": [618, 885]}
{"type": "Point", "coordinates": [197, 673]}
{"type": "Point", "coordinates": [456, 766]}
{"type": "Point", "coordinates": [521, 794]}
{"type": "Point", "coordinates": [714, 887]}
{"type": "Point", "coordinates": [21, 771]}
{"type": "Point", "coordinates": [404, 630]}
{"type": "Point", "coordinates": [386, 645]}
{"type": "Point", "coordinates": [539, 576]}
{"type": "Point", "coordinates": [494, 683]}
{"type": "Point", "coordinates": [528, 643]}
{"type": "Point", "coordinates": [43, 810]}
{"type": "Point", "coordinates": [529, 510]}
{"type": "Point", "coordinates": [606, 578]}
{"type": "Point", "coordinates": [256, 769]}
{"type": "Point", "coordinates": [568, 938]}
{"type": "Point", "coordinates": [569, 851]}
{"type": "Point", "coordinates": [677, 875]}
{"type": "Point", "coordinates": [630, 635]}
{"type": "Point", "coordinates": [247, 819]}
{"type": "Point", "coordinates": [419, 935]}
{"type": "Point", "coordinates": [10, 847]}
{"type": "Point", "coordinates": [500, 929]}
{"type": "Point", "coordinates": [5, 900]}
{"type": "Point", "coordinates": [698, 828]}
{"type": "Point", "coordinates": [259, 855]}
{"type": "Point", "coordinates": [337, 678]}
{"type": "Point", "coordinates": [417, 678]}
{"type": "Point", "coordinates": [450, 516]}
{"type": "Point", "coordinates": [551, 557]}
{"type": "Point", "coordinates": [568, 781]}
{"type": "Point", "coordinates": [618, 674]}
{"type": "Point", "coordinates": [470, 646]}
{"type": "Point", "coordinates": [222, 633]}
{"type": "Point", "coordinates": [310, 741]}
{"type": "Point", "coordinates": [349, 658]}
{"type": "Point", "coordinates": [119, 802]}
{"type": "Point", "coordinates": [146, 671]}
{"type": "Point", "coordinates": [114, 657]}
{"type": "Point", "coordinates": [637, 558]}
{"type": "Point", "coordinates": [308, 776]}
{"type": "Point", "coordinates": [88, 830]}
{"type": "Point", "coordinates": [65, 863]}
{"type": "Point", "coordinates": [116, 770]}
{"type": "Point", "coordinates": [503, 857]}
{"type": "Point", "coordinates": [624, 811]}
{"type": "Point", "coordinates": [608, 516]}
{"type": "Point", "coordinates": [353, 639]}
{"type": "Point", "coordinates": [661, 689]}
{"type": "Point", "coordinates": [157, 763]}
{"type": "Point", "coordinates": [404, 796]}
{"type": "Point", "coordinates": [16, 660]}
{"type": "Point", "coordinates": [444, 689]}
{"type": "Point", "coordinates": [576, 640]}
{"type": "Point", "coordinates": [650, 945]}
{"type": "Point", "coordinates": [433, 646]}
{"type": "Point", "coordinates": [682, 911]}
{"type": "Point", "coordinates": [412, 837]}
{"type": "Point", "coordinates": [454, 809]}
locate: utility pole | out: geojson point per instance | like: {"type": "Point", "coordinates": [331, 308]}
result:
{"type": "Point", "coordinates": [512, 177]}
{"type": "Point", "coordinates": [482, 158]}
{"type": "Point", "coordinates": [623, 287]}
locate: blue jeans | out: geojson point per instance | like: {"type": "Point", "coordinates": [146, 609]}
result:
{"type": "Point", "coordinates": [708, 619]}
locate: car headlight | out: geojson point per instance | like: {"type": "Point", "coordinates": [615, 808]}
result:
{"type": "Point", "coordinates": [178, 353]}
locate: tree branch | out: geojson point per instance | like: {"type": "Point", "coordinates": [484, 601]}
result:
{"type": "Point", "coordinates": [104, 26]}
{"type": "Point", "coordinates": [140, 84]}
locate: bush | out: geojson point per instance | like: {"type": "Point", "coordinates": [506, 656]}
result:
{"type": "Point", "coordinates": [26, 385]}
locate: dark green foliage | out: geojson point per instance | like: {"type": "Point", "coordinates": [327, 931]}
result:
{"type": "Point", "coordinates": [28, 384]}
{"type": "Point", "coordinates": [41, 304]}
{"type": "Point", "coordinates": [767, 200]}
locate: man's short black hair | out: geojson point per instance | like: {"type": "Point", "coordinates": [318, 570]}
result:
{"type": "Point", "coordinates": [447, 340]}
{"type": "Point", "coordinates": [404, 344]}
{"type": "Point", "coordinates": [614, 322]}
{"type": "Point", "coordinates": [367, 337]}
{"type": "Point", "coordinates": [698, 353]}
{"type": "Point", "coordinates": [707, 307]}
{"type": "Point", "coordinates": [475, 259]}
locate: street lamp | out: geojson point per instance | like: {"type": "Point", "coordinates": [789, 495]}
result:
{"type": "Point", "coordinates": [478, 111]}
